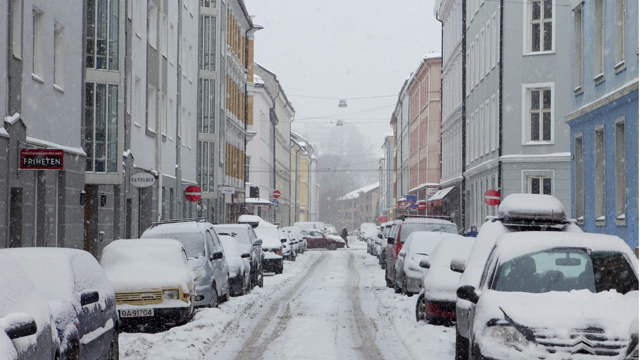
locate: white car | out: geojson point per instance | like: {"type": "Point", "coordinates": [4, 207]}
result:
{"type": "Point", "coordinates": [419, 246]}
{"type": "Point", "coordinates": [516, 213]}
{"type": "Point", "coordinates": [152, 280]}
{"type": "Point", "coordinates": [555, 296]}
{"type": "Point", "coordinates": [271, 244]}
{"type": "Point", "coordinates": [437, 300]}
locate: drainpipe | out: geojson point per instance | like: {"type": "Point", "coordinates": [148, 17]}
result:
{"type": "Point", "coordinates": [500, 93]}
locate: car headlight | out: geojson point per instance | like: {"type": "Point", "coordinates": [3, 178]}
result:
{"type": "Point", "coordinates": [508, 335]}
{"type": "Point", "coordinates": [172, 294]}
{"type": "Point", "coordinates": [414, 268]}
{"type": "Point", "coordinates": [278, 252]}
{"type": "Point", "coordinates": [200, 273]}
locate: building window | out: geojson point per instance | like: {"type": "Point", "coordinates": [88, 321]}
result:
{"type": "Point", "coordinates": [38, 44]}
{"type": "Point", "coordinates": [600, 183]}
{"type": "Point", "coordinates": [539, 185]}
{"type": "Point", "coordinates": [208, 3]}
{"type": "Point", "coordinates": [152, 25]}
{"type": "Point", "coordinates": [16, 28]}
{"type": "Point", "coordinates": [207, 38]}
{"type": "Point", "coordinates": [102, 34]}
{"type": "Point", "coordinates": [577, 48]}
{"type": "Point", "coordinates": [621, 171]}
{"type": "Point", "coordinates": [620, 15]}
{"type": "Point", "coordinates": [539, 119]}
{"type": "Point", "coordinates": [540, 25]}
{"type": "Point", "coordinates": [598, 38]}
{"type": "Point", "coordinates": [579, 178]}
{"type": "Point", "coordinates": [152, 108]}
{"type": "Point", "coordinates": [101, 127]}
{"type": "Point", "coordinates": [58, 56]}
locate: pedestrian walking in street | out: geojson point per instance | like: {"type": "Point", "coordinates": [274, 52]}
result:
{"type": "Point", "coordinates": [473, 232]}
{"type": "Point", "coordinates": [344, 234]}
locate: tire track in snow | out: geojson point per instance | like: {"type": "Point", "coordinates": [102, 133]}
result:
{"type": "Point", "coordinates": [365, 327]}
{"type": "Point", "coordinates": [279, 310]}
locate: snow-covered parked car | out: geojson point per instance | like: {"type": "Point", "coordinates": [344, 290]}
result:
{"type": "Point", "coordinates": [555, 296]}
{"type": "Point", "coordinates": [27, 329]}
{"type": "Point", "coordinates": [437, 300]}
{"type": "Point", "coordinates": [296, 233]}
{"type": "Point", "coordinates": [80, 296]}
{"type": "Point", "coordinates": [249, 242]}
{"type": "Point", "coordinates": [205, 253]}
{"type": "Point", "coordinates": [418, 246]}
{"type": "Point", "coordinates": [153, 282]}
{"type": "Point", "coordinates": [289, 245]}
{"type": "Point", "coordinates": [271, 245]}
{"type": "Point", "coordinates": [516, 213]}
{"type": "Point", "coordinates": [239, 266]}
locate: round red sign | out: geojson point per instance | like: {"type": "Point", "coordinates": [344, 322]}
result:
{"type": "Point", "coordinates": [422, 206]}
{"type": "Point", "coordinates": [276, 194]}
{"type": "Point", "coordinates": [193, 193]}
{"type": "Point", "coordinates": [492, 197]}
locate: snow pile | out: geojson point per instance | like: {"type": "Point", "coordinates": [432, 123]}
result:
{"type": "Point", "coordinates": [189, 341]}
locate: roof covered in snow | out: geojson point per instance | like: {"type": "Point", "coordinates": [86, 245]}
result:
{"type": "Point", "coordinates": [356, 193]}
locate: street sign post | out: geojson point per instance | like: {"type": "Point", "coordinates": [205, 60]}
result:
{"type": "Point", "coordinates": [276, 194]}
{"type": "Point", "coordinates": [492, 197]}
{"type": "Point", "coordinates": [193, 193]}
{"type": "Point", "coordinates": [142, 180]}
{"type": "Point", "coordinates": [422, 206]}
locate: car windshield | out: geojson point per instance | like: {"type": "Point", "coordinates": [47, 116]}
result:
{"type": "Point", "coordinates": [566, 270]}
{"type": "Point", "coordinates": [408, 228]}
{"type": "Point", "coordinates": [193, 243]}
{"type": "Point", "coordinates": [241, 235]}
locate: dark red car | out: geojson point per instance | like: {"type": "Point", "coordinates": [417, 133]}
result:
{"type": "Point", "coordinates": [401, 230]}
{"type": "Point", "coordinates": [318, 240]}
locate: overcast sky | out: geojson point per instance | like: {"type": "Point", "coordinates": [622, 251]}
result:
{"type": "Point", "coordinates": [322, 51]}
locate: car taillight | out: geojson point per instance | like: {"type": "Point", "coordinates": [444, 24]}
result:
{"type": "Point", "coordinates": [278, 252]}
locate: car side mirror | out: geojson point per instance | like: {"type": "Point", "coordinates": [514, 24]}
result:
{"type": "Point", "coordinates": [217, 255]}
{"type": "Point", "coordinates": [283, 240]}
{"type": "Point", "coordinates": [23, 325]}
{"type": "Point", "coordinates": [391, 240]}
{"type": "Point", "coordinates": [402, 253]}
{"type": "Point", "coordinates": [457, 265]}
{"type": "Point", "coordinates": [425, 263]}
{"type": "Point", "coordinates": [89, 297]}
{"type": "Point", "coordinates": [245, 255]}
{"type": "Point", "coordinates": [379, 236]}
{"type": "Point", "coordinates": [468, 292]}
{"type": "Point", "coordinates": [258, 242]}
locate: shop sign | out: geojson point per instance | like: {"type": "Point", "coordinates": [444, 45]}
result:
{"type": "Point", "coordinates": [41, 159]}
{"type": "Point", "coordinates": [142, 180]}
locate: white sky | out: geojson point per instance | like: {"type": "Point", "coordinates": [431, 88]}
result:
{"type": "Point", "coordinates": [343, 49]}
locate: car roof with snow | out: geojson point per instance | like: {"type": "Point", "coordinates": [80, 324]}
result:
{"type": "Point", "coordinates": [512, 245]}
{"type": "Point", "coordinates": [60, 272]}
{"type": "Point", "coordinates": [176, 228]}
{"type": "Point", "coordinates": [532, 207]}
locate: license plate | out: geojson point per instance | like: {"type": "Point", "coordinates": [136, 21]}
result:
{"type": "Point", "coordinates": [136, 313]}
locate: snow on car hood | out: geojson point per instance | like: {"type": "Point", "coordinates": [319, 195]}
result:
{"type": "Point", "coordinates": [336, 238]}
{"type": "Point", "coordinates": [561, 311]}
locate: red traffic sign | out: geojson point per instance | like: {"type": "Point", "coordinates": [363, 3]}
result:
{"type": "Point", "coordinates": [492, 197]}
{"type": "Point", "coordinates": [193, 193]}
{"type": "Point", "coordinates": [422, 206]}
{"type": "Point", "coordinates": [276, 194]}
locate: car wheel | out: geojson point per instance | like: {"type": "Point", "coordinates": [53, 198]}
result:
{"type": "Point", "coordinates": [396, 288]}
{"type": "Point", "coordinates": [261, 279]}
{"type": "Point", "coordinates": [332, 246]}
{"type": "Point", "coordinates": [213, 302]}
{"type": "Point", "coordinates": [114, 348]}
{"type": "Point", "coordinates": [73, 352]}
{"type": "Point", "coordinates": [293, 255]}
{"type": "Point", "coordinates": [404, 286]}
{"type": "Point", "coordinates": [462, 347]}
{"type": "Point", "coordinates": [386, 277]}
{"type": "Point", "coordinates": [420, 309]}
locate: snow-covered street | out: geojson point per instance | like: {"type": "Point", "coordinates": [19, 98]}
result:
{"type": "Point", "coordinates": [326, 305]}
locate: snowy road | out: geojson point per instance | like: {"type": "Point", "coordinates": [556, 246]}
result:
{"type": "Point", "coordinates": [326, 305]}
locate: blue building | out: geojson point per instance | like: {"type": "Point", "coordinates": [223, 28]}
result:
{"type": "Point", "coordinates": [604, 117]}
